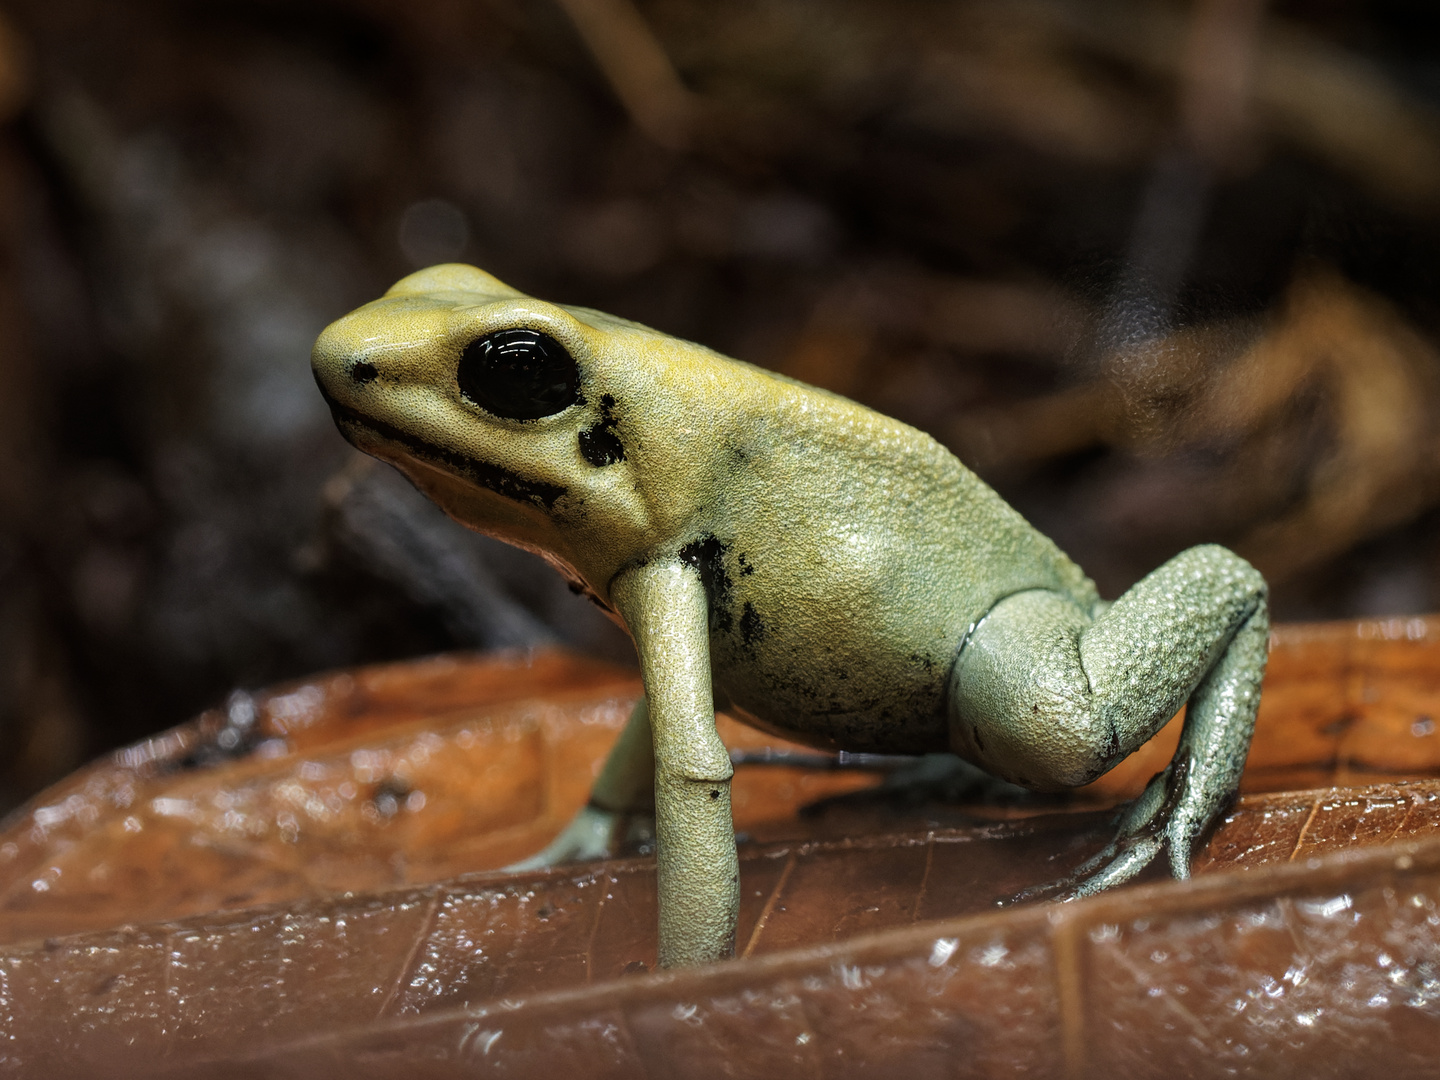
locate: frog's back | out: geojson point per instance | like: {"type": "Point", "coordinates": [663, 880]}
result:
{"type": "Point", "coordinates": [853, 553]}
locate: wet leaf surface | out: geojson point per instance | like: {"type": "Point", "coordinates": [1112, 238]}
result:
{"type": "Point", "coordinates": [192, 908]}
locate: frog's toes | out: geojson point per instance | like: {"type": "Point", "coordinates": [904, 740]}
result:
{"type": "Point", "coordinates": [1115, 864]}
{"type": "Point", "coordinates": [1132, 855]}
{"type": "Point", "coordinates": [592, 834]}
{"type": "Point", "coordinates": [1161, 819]}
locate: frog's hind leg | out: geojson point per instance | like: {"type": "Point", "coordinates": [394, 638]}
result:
{"type": "Point", "coordinates": [1048, 697]}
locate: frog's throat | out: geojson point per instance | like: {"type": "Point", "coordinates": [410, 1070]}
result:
{"type": "Point", "coordinates": [484, 474]}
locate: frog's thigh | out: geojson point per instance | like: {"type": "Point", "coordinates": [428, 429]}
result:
{"type": "Point", "coordinates": [1045, 697]}
{"type": "Point", "coordinates": [1020, 704]}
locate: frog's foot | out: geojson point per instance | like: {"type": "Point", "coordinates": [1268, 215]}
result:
{"type": "Point", "coordinates": [594, 833]}
{"type": "Point", "coordinates": [1163, 818]}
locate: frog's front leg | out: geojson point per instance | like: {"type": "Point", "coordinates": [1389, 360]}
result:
{"type": "Point", "coordinates": [623, 793]}
{"type": "Point", "coordinates": [1047, 697]}
{"type": "Point", "coordinates": [665, 607]}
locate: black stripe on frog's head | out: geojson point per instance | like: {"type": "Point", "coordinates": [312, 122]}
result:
{"type": "Point", "coordinates": [518, 374]}
{"type": "Point", "coordinates": [355, 426]}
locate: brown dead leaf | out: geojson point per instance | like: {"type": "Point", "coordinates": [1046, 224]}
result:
{"type": "Point", "coordinates": [869, 937]}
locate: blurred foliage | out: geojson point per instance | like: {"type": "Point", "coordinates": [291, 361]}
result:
{"type": "Point", "coordinates": [1162, 272]}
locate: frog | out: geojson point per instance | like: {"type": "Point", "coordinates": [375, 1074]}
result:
{"type": "Point", "coordinates": [804, 563]}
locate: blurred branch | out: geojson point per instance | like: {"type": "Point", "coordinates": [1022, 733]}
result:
{"type": "Point", "coordinates": [1011, 71]}
{"type": "Point", "coordinates": [857, 321]}
{"type": "Point", "coordinates": [1320, 96]}
{"type": "Point", "coordinates": [1345, 109]}
{"type": "Point", "coordinates": [1374, 379]}
{"type": "Point", "coordinates": [1381, 378]}
{"type": "Point", "coordinates": [1217, 70]}
{"type": "Point", "coordinates": [637, 67]}
{"type": "Point", "coordinates": [400, 535]}
{"type": "Point", "coordinates": [15, 73]}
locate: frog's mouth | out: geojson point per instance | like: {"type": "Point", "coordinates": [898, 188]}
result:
{"type": "Point", "coordinates": [484, 474]}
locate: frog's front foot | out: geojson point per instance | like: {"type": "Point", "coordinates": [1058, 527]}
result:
{"type": "Point", "coordinates": [594, 833]}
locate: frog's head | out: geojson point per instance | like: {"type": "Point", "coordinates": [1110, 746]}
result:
{"type": "Point", "coordinates": [516, 416]}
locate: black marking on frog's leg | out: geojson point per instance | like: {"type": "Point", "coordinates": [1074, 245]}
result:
{"type": "Point", "coordinates": [752, 627]}
{"type": "Point", "coordinates": [363, 372]}
{"type": "Point", "coordinates": [599, 444]}
{"type": "Point", "coordinates": [1110, 751]}
{"type": "Point", "coordinates": [707, 555]}
{"type": "Point", "coordinates": [746, 566]}
{"type": "Point", "coordinates": [480, 473]}
{"type": "Point", "coordinates": [1174, 778]}
{"type": "Point", "coordinates": [601, 604]}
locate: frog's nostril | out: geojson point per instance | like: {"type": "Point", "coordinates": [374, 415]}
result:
{"type": "Point", "coordinates": [363, 372]}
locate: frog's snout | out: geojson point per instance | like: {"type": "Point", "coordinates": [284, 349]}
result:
{"type": "Point", "coordinates": [340, 363]}
{"type": "Point", "coordinates": [333, 364]}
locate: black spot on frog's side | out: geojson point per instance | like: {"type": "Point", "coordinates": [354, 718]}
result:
{"type": "Point", "coordinates": [752, 627]}
{"type": "Point", "coordinates": [707, 555]}
{"type": "Point", "coordinates": [599, 445]}
{"type": "Point", "coordinates": [1110, 751]}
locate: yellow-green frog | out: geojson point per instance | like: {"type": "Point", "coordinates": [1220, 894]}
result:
{"type": "Point", "coordinates": [818, 569]}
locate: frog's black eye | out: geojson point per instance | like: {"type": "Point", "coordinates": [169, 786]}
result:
{"type": "Point", "coordinates": [520, 374]}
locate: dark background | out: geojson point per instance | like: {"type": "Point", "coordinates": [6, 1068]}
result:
{"type": "Point", "coordinates": [1163, 273]}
